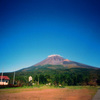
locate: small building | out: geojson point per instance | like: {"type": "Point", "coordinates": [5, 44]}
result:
{"type": "Point", "coordinates": [30, 78]}
{"type": "Point", "coordinates": [4, 80]}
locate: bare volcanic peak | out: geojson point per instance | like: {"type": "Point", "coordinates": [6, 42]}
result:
{"type": "Point", "coordinates": [53, 60]}
{"type": "Point", "coordinates": [58, 60]}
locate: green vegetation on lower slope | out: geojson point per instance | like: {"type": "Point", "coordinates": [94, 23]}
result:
{"type": "Point", "coordinates": [57, 75]}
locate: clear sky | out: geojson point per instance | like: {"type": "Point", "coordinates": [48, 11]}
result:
{"type": "Point", "coordinates": [30, 30]}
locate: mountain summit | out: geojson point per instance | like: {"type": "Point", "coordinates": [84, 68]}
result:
{"type": "Point", "coordinates": [58, 60]}
{"type": "Point", "coordinates": [52, 60]}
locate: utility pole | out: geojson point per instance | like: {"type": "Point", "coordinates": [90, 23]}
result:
{"type": "Point", "coordinates": [2, 76]}
{"type": "Point", "coordinates": [14, 78]}
{"type": "Point", "coordinates": [38, 79]}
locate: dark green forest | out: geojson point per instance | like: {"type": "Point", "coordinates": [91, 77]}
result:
{"type": "Point", "coordinates": [56, 75]}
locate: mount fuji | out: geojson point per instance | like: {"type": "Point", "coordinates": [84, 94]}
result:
{"type": "Point", "coordinates": [56, 62]}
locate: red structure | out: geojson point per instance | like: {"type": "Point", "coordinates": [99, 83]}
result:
{"type": "Point", "coordinates": [4, 80]}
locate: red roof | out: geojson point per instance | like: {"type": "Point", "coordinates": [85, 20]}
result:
{"type": "Point", "coordinates": [4, 77]}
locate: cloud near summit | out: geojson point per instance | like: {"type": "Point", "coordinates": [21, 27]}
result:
{"type": "Point", "coordinates": [54, 55]}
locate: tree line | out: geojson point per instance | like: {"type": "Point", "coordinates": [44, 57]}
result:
{"type": "Point", "coordinates": [58, 77]}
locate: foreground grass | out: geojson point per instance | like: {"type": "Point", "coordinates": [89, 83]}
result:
{"type": "Point", "coordinates": [41, 87]}
{"type": "Point", "coordinates": [44, 92]}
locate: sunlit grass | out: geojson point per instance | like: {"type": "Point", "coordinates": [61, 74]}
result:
{"type": "Point", "coordinates": [41, 87]}
{"type": "Point", "coordinates": [53, 86]}
{"type": "Point", "coordinates": [58, 91]}
{"type": "Point", "coordinates": [81, 87]}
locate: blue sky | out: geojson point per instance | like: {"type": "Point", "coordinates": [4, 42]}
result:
{"type": "Point", "coordinates": [30, 30]}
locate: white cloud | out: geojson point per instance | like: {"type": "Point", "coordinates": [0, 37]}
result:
{"type": "Point", "coordinates": [54, 55]}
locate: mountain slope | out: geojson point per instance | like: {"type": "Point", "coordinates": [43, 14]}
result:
{"type": "Point", "coordinates": [56, 62]}
{"type": "Point", "coordinates": [53, 60]}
